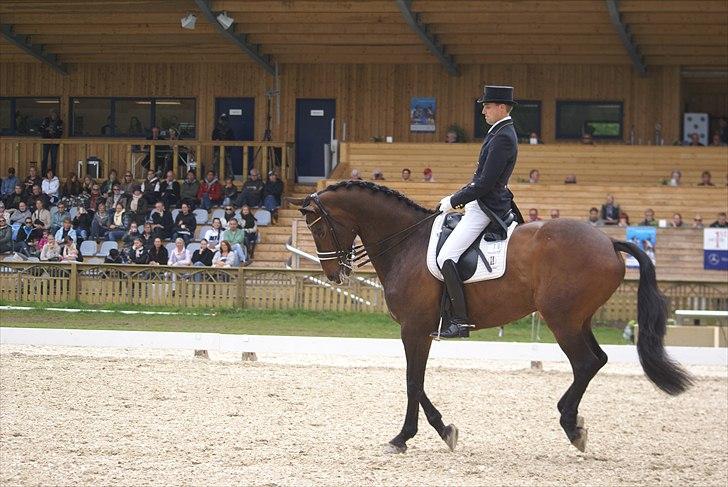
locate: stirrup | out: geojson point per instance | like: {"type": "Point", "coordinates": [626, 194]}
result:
{"type": "Point", "coordinates": [463, 330]}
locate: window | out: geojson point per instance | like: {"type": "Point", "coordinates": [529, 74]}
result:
{"type": "Point", "coordinates": [602, 120]}
{"type": "Point", "coordinates": [91, 117]}
{"type": "Point", "coordinates": [177, 114]}
{"type": "Point", "coordinates": [526, 119]}
{"type": "Point", "coordinates": [24, 115]}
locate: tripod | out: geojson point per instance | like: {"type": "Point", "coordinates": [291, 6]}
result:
{"type": "Point", "coordinates": [271, 153]}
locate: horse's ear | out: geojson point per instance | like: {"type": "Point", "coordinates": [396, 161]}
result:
{"type": "Point", "coordinates": [307, 209]}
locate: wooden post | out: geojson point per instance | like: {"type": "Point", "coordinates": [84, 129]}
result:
{"type": "Point", "coordinates": [107, 159]}
{"type": "Point", "coordinates": [266, 162]}
{"type": "Point", "coordinates": [73, 283]}
{"type": "Point", "coordinates": [175, 156]}
{"type": "Point", "coordinates": [198, 158]}
{"type": "Point", "coordinates": [153, 155]}
{"type": "Point", "coordinates": [130, 161]}
{"type": "Point", "coordinates": [284, 163]}
{"type": "Point", "coordinates": [60, 169]}
{"type": "Point", "coordinates": [221, 162]}
{"type": "Point", "coordinates": [39, 153]}
{"type": "Point", "coordinates": [241, 287]}
{"type": "Point", "coordinates": [245, 163]}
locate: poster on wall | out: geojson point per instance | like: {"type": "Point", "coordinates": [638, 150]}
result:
{"type": "Point", "coordinates": [422, 114]}
{"type": "Point", "coordinates": [646, 239]}
{"type": "Point", "coordinates": [715, 249]}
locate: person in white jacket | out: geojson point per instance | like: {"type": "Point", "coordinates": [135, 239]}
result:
{"type": "Point", "coordinates": [51, 186]}
{"type": "Point", "coordinates": [180, 256]}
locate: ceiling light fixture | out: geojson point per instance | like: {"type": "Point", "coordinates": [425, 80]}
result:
{"type": "Point", "coordinates": [225, 20]}
{"type": "Point", "coordinates": [188, 21]}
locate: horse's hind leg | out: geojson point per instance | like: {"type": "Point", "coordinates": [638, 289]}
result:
{"type": "Point", "coordinates": [449, 434]}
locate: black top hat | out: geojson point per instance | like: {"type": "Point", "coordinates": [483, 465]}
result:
{"type": "Point", "coordinates": [497, 94]}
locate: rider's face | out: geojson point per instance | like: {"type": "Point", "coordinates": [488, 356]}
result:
{"type": "Point", "coordinates": [494, 112]}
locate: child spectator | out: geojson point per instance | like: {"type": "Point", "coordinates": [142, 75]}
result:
{"type": "Point", "coordinates": [214, 234]}
{"type": "Point", "coordinates": [50, 251]}
{"type": "Point", "coordinates": [70, 251]}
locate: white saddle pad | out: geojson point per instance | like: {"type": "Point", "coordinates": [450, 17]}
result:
{"type": "Point", "coordinates": [495, 252]}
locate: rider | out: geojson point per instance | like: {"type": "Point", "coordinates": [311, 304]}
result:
{"type": "Point", "coordinates": [486, 196]}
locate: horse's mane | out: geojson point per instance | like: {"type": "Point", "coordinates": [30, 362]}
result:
{"type": "Point", "coordinates": [375, 188]}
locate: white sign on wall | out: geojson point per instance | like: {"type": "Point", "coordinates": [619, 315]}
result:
{"type": "Point", "coordinates": [317, 113]}
{"type": "Point", "coordinates": [236, 111]}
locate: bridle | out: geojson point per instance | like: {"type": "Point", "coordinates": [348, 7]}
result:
{"type": "Point", "coordinates": [346, 258]}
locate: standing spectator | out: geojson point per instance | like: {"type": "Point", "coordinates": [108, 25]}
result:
{"type": "Point", "coordinates": [251, 230]}
{"type": "Point", "coordinates": [222, 131]}
{"type": "Point", "coordinates": [100, 223]}
{"type": "Point", "coordinates": [137, 205]}
{"type": "Point", "coordinates": [720, 222]}
{"type": "Point", "coordinates": [170, 191]}
{"type": "Point", "coordinates": [427, 175]}
{"type": "Point", "coordinates": [127, 184]}
{"type": "Point", "coordinates": [20, 214]}
{"type": "Point", "coordinates": [151, 187]}
{"type": "Point", "coordinates": [109, 184]}
{"type": "Point", "coordinates": [162, 223]}
{"type": "Point", "coordinates": [117, 196]}
{"type": "Point", "coordinates": [235, 237]}
{"type": "Point", "coordinates": [51, 251]}
{"type": "Point", "coordinates": [14, 199]}
{"type": "Point", "coordinates": [214, 235]}
{"type": "Point", "coordinates": [157, 255]}
{"type": "Point", "coordinates": [649, 220]}
{"type": "Point", "coordinates": [138, 254]}
{"type": "Point", "coordinates": [132, 234]}
{"type": "Point", "coordinates": [623, 220]}
{"type": "Point", "coordinates": [534, 176]}
{"type": "Point", "coordinates": [594, 219]}
{"type": "Point", "coordinates": [210, 192]}
{"type": "Point", "coordinates": [406, 174]}
{"type": "Point", "coordinates": [225, 257]}
{"type": "Point", "coordinates": [554, 214]}
{"type": "Point", "coordinates": [184, 224]}
{"type": "Point", "coordinates": [71, 186]}
{"type": "Point", "coordinates": [229, 192]}
{"type": "Point", "coordinates": [8, 184]}
{"type": "Point", "coordinates": [59, 217]}
{"type": "Point", "coordinates": [82, 223]}
{"type": "Point", "coordinates": [51, 128]}
{"type": "Point", "coordinates": [610, 211]}
{"type": "Point", "coordinates": [65, 232]}
{"type": "Point", "coordinates": [252, 193]}
{"type": "Point", "coordinates": [32, 180]}
{"type": "Point", "coordinates": [41, 213]}
{"type": "Point", "coordinates": [202, 257]}
{"type": "Point", "coordinates": [6, 236]}
{"type": "Point", "coordinates": [677, 221]}
{"type": "Point", "coordinates": [675, 177]}
{"type": "Point", "coordinates": [189, 189]}
{"type": "Point", "coordinates": [705, 179]}
{"type": "Point", "coordinates": [533, 215]}
{"type": "Point", "coordinates": [698, 221]}
{"type": "Point", "coordinates": [273, 192]}
{"type": "Point", "coordinates": [179, 256]}
{"type": "Point", "coordinates": [119, 222]}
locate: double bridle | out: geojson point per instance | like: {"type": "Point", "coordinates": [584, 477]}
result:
{"type": "Point", "coordinates": [356, 253]}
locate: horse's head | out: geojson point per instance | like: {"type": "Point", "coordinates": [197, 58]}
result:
{"type": "Point", "coordinates": [333, 233]}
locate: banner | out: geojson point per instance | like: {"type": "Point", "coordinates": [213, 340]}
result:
{"type": "Point", "coordinates": [422, 114]}
{"type": "Point", "coordinates": [646, 239]}
{"type": "Point", "coordinates": [715, 249]}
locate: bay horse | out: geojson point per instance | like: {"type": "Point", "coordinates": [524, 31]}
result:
{"type": "Point", "coordinates": [564, 269]}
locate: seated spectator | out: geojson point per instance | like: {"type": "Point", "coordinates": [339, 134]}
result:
{"type": "Point", "coordinates": [210, 192]}
{"type": "Point", "coordinates": [698, 221]}
{"type": "Point", "coordinates": [185, 224]}
{"type": "Point", "coordinates": [82, 223]}
{"type": "Point", "coordinates": [427, 175]}
{"type": "Point", "coordinates": [623, 220]}
{"type": "Point", "coordinates": [14, 199]}
{"type": "Point", "coordinates": [138, 254]}
{"type": "Point", "coordinates": [229, 214]}
{"type": "Point", "coordinates": [225, 257]}
{"type": "Point", "coordinates": [41, 213]}
{"type": "Point", "coordinates": [534, 139]}
{"type": "Point", "coordinates": [169, 191]}
{"type": "Point", "coordinates": [114, 257]}
{"type": "Point", "coordinates": [649, 220]}
{"type": "Point", "coordinates": [534, 176]}
{"type": "Point", "coordinates": [25, 236]}
{"type": "Point", "coordinates": [128, 184]}
{"type": "Point", "coordinates": [554, 214]}
{"type": "Point", "coordinates": [20, 214]}
{"type": "Point", "coordinates": [252, 192]}
{"type": "Point", "coordinates": [189, 189]}
{"type": "Point", "coordinates": [720, 222]}
{"type": "Point", "coordinates": [587, 139]}
{"type": "Point", "coordinates": [119, 223]}
{"type": "Point", "coordinates": [610, 211]}
{"type": "Point", "coordinates": [677, 221]}
{"type": "Point", "coordinates": [161, 219]}
{"type": "Point", "coordinates": [451, 137]}
{"type": "Point", "coordinates": [235, 237]}
{"type": "Point", "coordinates": [355, 176]}
{"type": "Point", "coordinates": [8, 184]}
{"type": "Point", "coordinates": [136, 205]}
{"type": "Point", "coordinates": [51, 251]}
{"type": "Point", "coordinates": [151, 187]}
{"type": "Point", "coordinates": [715, 140]}
{"type": "Point", "coordinates": [570, 179]}
{"type": "Point", "coordinates": [406, 174]}
{"type": "Point", "coordinates": [695, 140]}
{"type": "Point", "coordinates": [71, 186]}
{"type": "Point", "coordinates": [100, 223]}
{"type": "Point", "coordinates": [116, 196]}
{"type": "Point", "coordinates": [594, 219]}
{"type": "Point", "coordinates": [37, 194]}
{"type": "Point", "coordinates": [675, 177]}
{"type": "Point", "coordinates": [533, 215]}
{"type": "Point", "coordinates": [147, 236]}
{"type": "Point", "coordinates": [214, 234]}
{"type": "Point", "coordinates": [272, 194]}
{"type": "Point", "coordinates": [378, 175]}
{"type": "Point", "coordinates": [202, 257]}
{"type": "Point", "coordinates": [31, 180]}
{"type": "Point", "coordinates": [58, 217]}
{"type": "Point", "coordinates": [65, 232]}
{"type": "Point", "coordinates": [5, 213]}
{"type": "Point", "coordinates": [87, 184]}
{"type": "Point", "coordinates": [251, 230]}
{"type": "Point", "coordinates": [132, 234]}
{"type": "Point", "coordinates": [157, 254]}
{"type": "Point", "coordinates": [108, 186]}
{"type": "Point", "coordinates": [70, 251]}
{"type": "Point", "coordinates": [229, 192]}
{"type": "Point", "coordinates": [179, 256]}
{"type": "Point", "coordinates": [705, 179]}
{"type": "Point", "coordinates": [51, 187]}
{"type": "Point", "coordinates": [94, 198]}
{"type": "Point", "coordinates": [6, 236]}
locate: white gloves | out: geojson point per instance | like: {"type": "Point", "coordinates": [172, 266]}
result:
{"type": "Point", "coordinates": [445, 205]}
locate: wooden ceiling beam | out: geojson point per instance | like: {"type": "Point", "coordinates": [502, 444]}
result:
{"type": "Point", "coordinates": [35, 50]}
{"type": "Point", "coordinates": [626, 37]}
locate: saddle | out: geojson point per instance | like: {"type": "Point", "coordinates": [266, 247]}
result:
{"type": "Point", "coordinates": [496, 230]}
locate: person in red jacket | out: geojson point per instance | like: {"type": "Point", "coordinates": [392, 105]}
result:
{"type": "Point", "coordinates": [210, 192]}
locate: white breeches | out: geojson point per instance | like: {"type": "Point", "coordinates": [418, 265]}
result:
{"type": "Point", "coordinates": [471, 225]}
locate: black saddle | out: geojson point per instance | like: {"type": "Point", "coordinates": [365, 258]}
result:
{"type": "Point", "coordinates": [468, 262]}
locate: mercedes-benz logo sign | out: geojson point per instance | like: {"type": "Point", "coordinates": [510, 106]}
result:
{"type": "Point", "coordinates": [713, 259]}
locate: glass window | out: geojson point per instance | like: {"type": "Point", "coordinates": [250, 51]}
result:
{"type": "Point", "coordinates": [28, 116]}
{"type": "Point", "coordinates": [133, 117]}
{"type": "Point", "coordinates": [91, 117]}
{"type": "Point", "coordinates": [175, 114]}
{"type": "Point", "coordinates": [602, 120]}
{"type": "Point", "coordinates": [6, 116]}
{"type": "Point", "coordinates": [526, 119]}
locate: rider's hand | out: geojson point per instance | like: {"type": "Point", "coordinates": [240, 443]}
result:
{"type": "Point", "coordinates": [445, 205]}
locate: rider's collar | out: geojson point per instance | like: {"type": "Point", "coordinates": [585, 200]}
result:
{"type": "Point", "coordinates": [507, 117]}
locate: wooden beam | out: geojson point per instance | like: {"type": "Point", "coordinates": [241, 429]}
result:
{"type": "Point", "coordinates": [412, 19]}
{"type": "Point", "coordinates": [34, 50]}
{"type": "Point", "coordinates": [626, 37]}
{"type": "Point", "coordinates": [238, 39]}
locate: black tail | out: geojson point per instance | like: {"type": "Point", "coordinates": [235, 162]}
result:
{"type": "Point", "coordinates": [665, 373]}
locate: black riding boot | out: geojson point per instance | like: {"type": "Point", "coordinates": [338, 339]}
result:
{"type": "Point", "coordinates": [458, 326]}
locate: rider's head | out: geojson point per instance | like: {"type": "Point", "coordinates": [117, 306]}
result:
{"type": "Point", "coordinates": [496, 111]}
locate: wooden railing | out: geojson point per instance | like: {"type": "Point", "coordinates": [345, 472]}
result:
{"type": "Point", "coordinates": [265, 289]}
{"type": "Point", "coordinates": [125, 154]}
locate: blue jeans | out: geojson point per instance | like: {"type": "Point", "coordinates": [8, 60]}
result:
{"type": "Point", "coordinates": [241, 252]}
{"type": "Point", "coordinates": [198, 276]}
{"type": "Point", "coordinates": [270, 203]}
{"type": "Point", "coordinates": [115, 235]}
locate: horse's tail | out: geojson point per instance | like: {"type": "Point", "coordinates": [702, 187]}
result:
{"type": "Point", "coordinates": [665, 373]}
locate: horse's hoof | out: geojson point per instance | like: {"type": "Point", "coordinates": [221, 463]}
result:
{"type": "Point", "coordinates": [580, 441]}
{"type": "Point", "coordinates": [579, 421]}
{"type": "Point", "coordinates": [391, 448]}
{"type": "Point", "coordinates": [450, 436]}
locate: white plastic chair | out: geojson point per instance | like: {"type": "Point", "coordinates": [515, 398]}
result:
{"type": "Point", "coordinates": [262, 217]}
{"type": "Point", "coordinates": [106, 247]}
{"type": "Point", "coordinates": [88, 248]}
{"type": "Point", "coordinates": [201, 216]}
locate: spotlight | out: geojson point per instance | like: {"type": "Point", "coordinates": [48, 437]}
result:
{"type": "Point", "coordinates": [189, 21]}
{"type": "Point", "coordinates": [225, 20]}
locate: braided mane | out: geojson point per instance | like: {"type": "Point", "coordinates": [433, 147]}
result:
{"type": "Point", "coordinates": [375, 188]}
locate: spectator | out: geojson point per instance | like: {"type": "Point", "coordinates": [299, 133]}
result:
{"type": "Point", "coordinates": [118, 223]}
{"type": "Point", "coordinates": [82, 223]}
{"type": "Point", "coordinates": [65, 232]}
{"type": "Point", "coordinates": [24, 237]}
{"type": "Point", "coordinates": [51, 187]}
{"type": "Point", "coordinates": [251, 230]}
{"type": "Point", "coordinates": [151, 187]}
{"type": "Point", "coordinates": [137, 205]}
{"type": "Point", "coordinates": [189, 189]}
{"type": "Point", "coordinates": [95, 198]}
{"type": "Point", "coordinates": [132, 234]}
{"type": "Point", "coordinates": [273, 192]}
{"type": "Point", "coordinates": [202, 257]}
{"type": "Point", "coordinates": [677, 221]}
{"type": "Point", "coordinates": [214, 234]}
{"type": "Point", "coordinates": [58, 217]}
{"type": "Point", "coordinates": [570, 179]}
{"type": "Point", "coordinates": [51, 128]}
{"type": "Point", "coordinates": [37, 194]}
{"type": "Point", "coordinates": [705, 179]}
{"type": "Point", "coordinates": [698, 221]}
{"type": "Point", "coordinates": [71, 186]}
{"type": "Point", "coordinates": [138, 254]}
{"type": "Point", "coordinates": [128, 184]}
{"type": "Point", "coordinates": [157, 255]}
{"type": "Point", "coordinates": [533, 215]}
{"type": "Point", "coordinates": [723, 130]}
{"type": "Point", "coordinates": [70, 251]}
{"type": "Point", "coordinates": [534, 176]}
{"type": "Point", "coordinates": [715, 140]}
{"type": "Point", "coordinates": [675, 177]}
{"type": "Point", "coordinates": [114, 257]}
{"type": "Point", "coordinates": [5, 213]}
{"type": "Point", "coordinates": [51, 251]}
{"type": "Point", "coordinates": [406, 174]}
{"type": "Point", "coordinates": [185, 224]}
{"type": "Point", "coordinates": [8, 184]}
{"type": "Point", "coordinates": [720, 222]}
{"type": "Point", "coordinates": [32, 180]}
{"type": "Point", "coordinates": [229, 192]}
{"type": "Point", "coordinates": [147, 237]}
{"type": "Point", "coordinates": [161, 219]}
{"type": "Point", "coordinates": [534, 139]}
{"type": "Point", "coordinates": [555, 213]}
{"type": "Point", "coordinates": [41, 213]}
{"type": "Point", "coordinates": [355, 176]}
{"type": "Point", "coordinates": [623, 220]}
{"type": "Point", "coordinates": [610, 212]}
{"type": "Point", "coordinates": [225, 257]}
{"type": "Point", "coordinates": [6, 236]}
{"type": "Point", "coordinates": [587, 139]}
{"type": "Point", "coordinates": [88, 183]}
{"type": "Point", "coordinates": [451, 137]}
{"type": "Point", "coordinates": [222, 131]}
{"type": "Point", "coordinates": [170, 191]}
{"type": "Point", "coordinates": [695, 140]}
{"type": "Point", "coordinates": [116, 197]}
{"type": "Point", "coordinates": [100, 223]}
{"type": "Point", "coordinates": [20, 214]}
{"type": "Point", "coordinates": [649, 220]}
{"type": "Point", "coordinates": [210, 192]}
{"type": "Point", "coordinates": [427, 175]}
{"type": "Point", "coordinates": [108, 185]}
{"type": "Point", "coordinates": [252, 193]}
{"type": "Point", "coordinates": [378, 175]}
{"type": "Point", "coordinates": [179, 256]}
{"type": "Point", "coordinates": [14, 199]}
{"type": "Point", "coordinates": [594, 219]}
{"type": "Point", "coordinates": [235, 237]}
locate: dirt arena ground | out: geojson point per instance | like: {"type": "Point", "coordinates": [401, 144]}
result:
{"type": "Point", "coordinates": [114, 417]}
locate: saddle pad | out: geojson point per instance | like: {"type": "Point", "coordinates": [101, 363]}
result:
{"type": "Point", "coordinates": [495, 252]}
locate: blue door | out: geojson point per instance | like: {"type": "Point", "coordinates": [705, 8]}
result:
{"type": "Point", "coordinates": [241, 116]}
{"type": "Point", "coordinates": [313, 130]}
